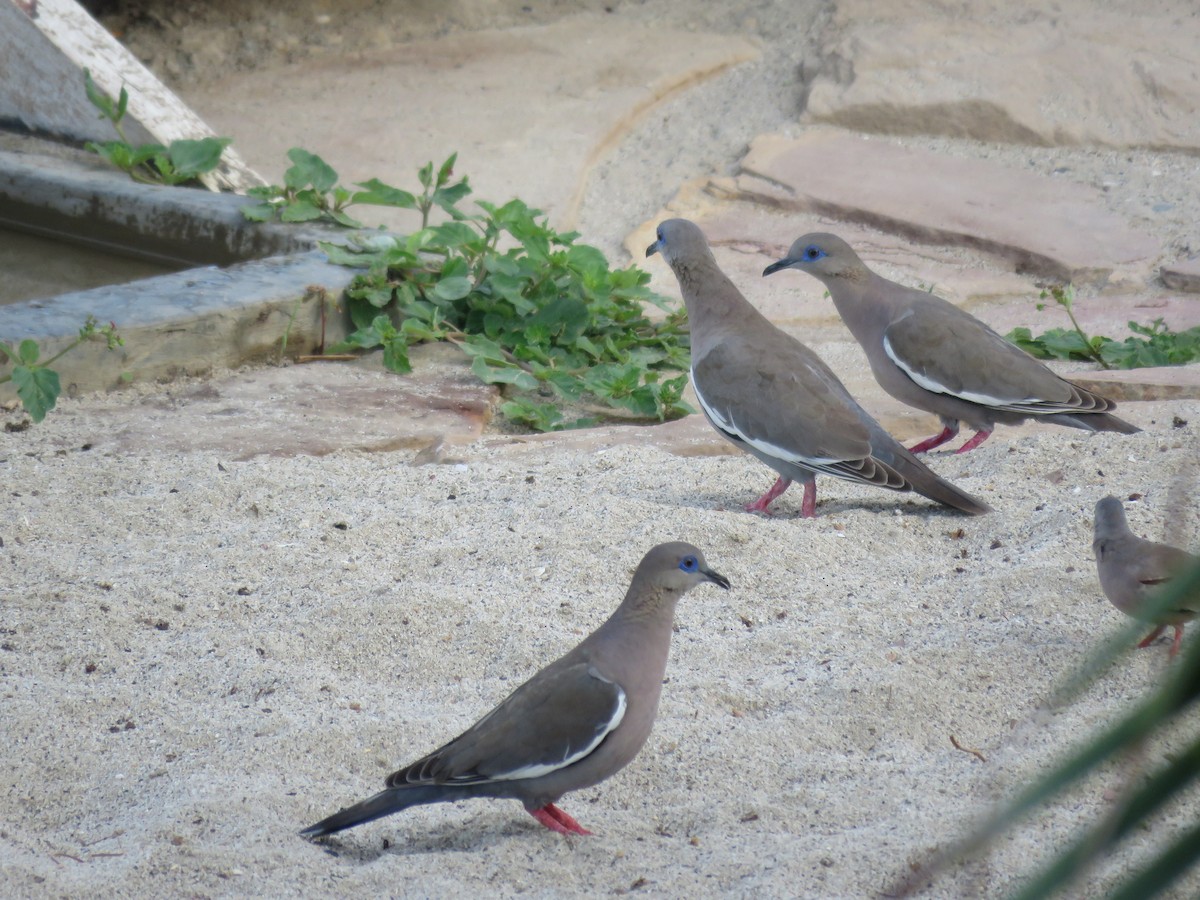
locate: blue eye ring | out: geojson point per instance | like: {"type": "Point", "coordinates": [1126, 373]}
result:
{"type": "Point", "coordinates": [812, 253]}
{"type": "Point", "coordinates": [689, 564]}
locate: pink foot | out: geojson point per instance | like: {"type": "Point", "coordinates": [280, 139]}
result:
{"type": "Point", "coordinates": [936, 441]}
{"type": "Point", "coordinates": [1177, 643]}
{"type": "Point", "coordinates": [1153, 636]}
{"type": "Point", "coordinates": [979, 438]}
{"type": "Point", "coordinates": [760, 505]}
{"type": "Point", "coordinates": [808, 507]}
{"type": "Point", "coordinates": [557, 820]}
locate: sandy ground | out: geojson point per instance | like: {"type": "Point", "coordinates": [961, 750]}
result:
{"type": "Point", "coordinates": [199, 656]}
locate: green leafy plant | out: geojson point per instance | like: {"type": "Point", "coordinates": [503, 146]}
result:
{"type": "Point", "coordinates": [178, 163]}
{"type": "Point", "coordinates": [37, 384]}
{"type": "Point", "coordinates": [1171, 701]}
{"type": "Point", "coordinates": [537, 311]}
{"type": "Point", "coordinates": [1153, 345]}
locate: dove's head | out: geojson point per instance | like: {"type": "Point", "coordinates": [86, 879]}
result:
{"type": "Point", "coordinates": [1110, 519]}
{"type": "Point", "coordinates": [679, 242]}
{"type": "Point", "coordinates": [824, 256]}
{"type": "Point", "coordinates": [676, 568]}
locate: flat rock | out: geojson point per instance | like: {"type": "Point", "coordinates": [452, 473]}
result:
{"type": "Point", "coordinates": [311, 409]}
{"type": "Point", "coordinates": [690, 436]}
{"type": "Point", "coordinates": [1160, 383]}
{"type": "Point", "coordinates": [498, 97]}
{"type": "Point", "coordinates": [1183, 275]}
{"type": "Point", "coordinates": [1052, 228]}
{"type": "Point", "coordinates": [1119, 76]}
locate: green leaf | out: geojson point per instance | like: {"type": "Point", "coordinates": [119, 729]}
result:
{"type": "Point", "coordinates": [116, 153]}
{"type": "Point", "coordinates": [97, 97]}
{"type": "Point", "coordinates": [453, 288]}
{"type": "Point", "coordinates": [539, 416]}
{"type": "Point", "coordinates": [192, 158]}
{"type": "Point", "coordinates": [376, 193]}
{"type": "Point", "coordinates": [308, 170]}
{"type": "Point", "coordinates": [425, 175]}
{"type": "Point", "coordinates": [395, 355]}
{"type": "Point", "coordinates": [503, 374]}
{"type": "Point", "coordinates": [447, 169]}
{"type": "Point", "coordinates": [448, 198]}
{"type": "Point", "coordinates": [565, 318]}
{"type": "Point", "coordinates": [28, 351]}
{"type": "Point", "coordinates": [259, 212]}
{"type": "Point", "coordinates": [7, 353]}
{"type": "Point", "coordinates": [344, 219]}
{"type": "Point", "coordinates": [301, 211]}
{"type": "Point", "coordinates": [38, 389]}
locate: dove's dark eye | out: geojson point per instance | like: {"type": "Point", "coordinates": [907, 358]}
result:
{"type": "Point", "coordinates": [812, 252]}
{"type": "Point", "coordinates": [689, 564]}
{"type": "Point", "coordinates": [658, 234]}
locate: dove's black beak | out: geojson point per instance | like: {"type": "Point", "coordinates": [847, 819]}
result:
{"type": "Point", "coordinates": [785, 263]}
{"type": "Point", "coordinates": [715, 577]}
{"type": "Point", "coordinates": [653, 248]}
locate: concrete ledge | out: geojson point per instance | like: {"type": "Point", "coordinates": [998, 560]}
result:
{"type": "Point", "coordinates": [187, 322]}
{"type": "Point", "coordinates": [270, 281]}
{"type": "Point", "coordinates": [98, 206]}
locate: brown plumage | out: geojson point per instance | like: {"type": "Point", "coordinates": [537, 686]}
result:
{"type": "Point", "coordinates": [930, 354]}
{"type": "Point", "coordinates": [570, 726]}
{"type": "Point", "coordinates": [776, 399]}
{"type": "Point", "coordinates": [1132, 570]}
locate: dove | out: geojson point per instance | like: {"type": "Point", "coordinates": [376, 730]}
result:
{"type": "Point", "coordinates": [930, 354]}
{"type": "Point", "coordinates": [772, 396]}
{"type": "Point", "coordinates": [1132, 569]}
{"type": "Point", "coordinates": [572, 725]}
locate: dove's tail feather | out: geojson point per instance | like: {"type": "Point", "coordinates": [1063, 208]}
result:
{"type": "Point", "coordinates": [1093, 422]}
{"type": "Point", "coordinates": [928, 484]}
{"type": "Point", "coordinates": [382, 804]}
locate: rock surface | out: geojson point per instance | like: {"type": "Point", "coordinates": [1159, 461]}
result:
{"type": "Point", "coordinates": [530, 111]}
{"type": "Point", "coordinates": [1051, 228]}
{"type": "Point", "coordinates": [1075, 74]}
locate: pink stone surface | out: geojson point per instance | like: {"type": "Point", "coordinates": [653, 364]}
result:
{"type": "Point", "coordinates": [1054, 228]}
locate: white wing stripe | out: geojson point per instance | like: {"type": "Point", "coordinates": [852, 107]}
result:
{"type": "Point", "coordinates": [536, 771]}
{"type": "Point", "coordinates": [781, 453]}
{"type": "Point", "coordinates": [930, 385]}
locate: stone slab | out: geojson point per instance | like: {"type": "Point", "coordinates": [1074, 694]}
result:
{"type": "Point", "coordinates": [310, 409]}
{"type": "Point", "coordinates": [1183, 275]}
{"type": "Point", "coordinates": [1119, 75]}
{"type": "Point", "coordinates": [1160, 383]}
{"type": "Point", "coordinates": [186, 323]}
{"type": "Point", "coordinates": [530, 110]}
{"type": "Point", "coordinates": [1056, 229]}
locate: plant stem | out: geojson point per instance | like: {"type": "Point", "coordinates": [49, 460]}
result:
{"type": "Point", "coordinates": [1067, 300]}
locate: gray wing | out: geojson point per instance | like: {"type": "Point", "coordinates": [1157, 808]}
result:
{"type": "Point", "coordinates": [948, 351]}
{"type": "Point", "coordinates": [554, 720]}
{"type": "Point", "coordinates": [779, 397]}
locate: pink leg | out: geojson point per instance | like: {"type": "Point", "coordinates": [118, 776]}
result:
{"type": "Point", "coordinates": [761, 504]}
{"type": "Point", "coordinates": [808, 508]}
{"type": "Point", "coordinates": [936, 441]}
{"type": "Point", "coordinates": [1177, 643]}
{"type": "Point", "coordinates": [557, 820]}
{"type": "Point", "coordinates": [1152, 636]}
{"type": "Point", "coordinates": [979, 438]}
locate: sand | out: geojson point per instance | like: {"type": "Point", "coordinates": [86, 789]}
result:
{"type": "Point", "coordinates": [202, 655]}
